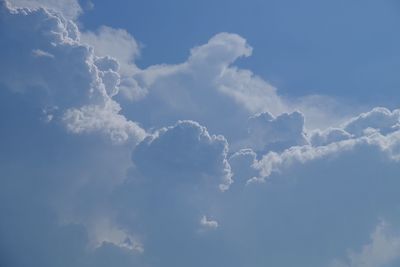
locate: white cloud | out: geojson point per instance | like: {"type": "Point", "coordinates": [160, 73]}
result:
{"type": "Point", "coordinates": [243, 166]}
{"type": "Point", "coordinates": [274, 162]}
{"type": "Point", "coordinates": [334, 141]}
{"type": "Point", "coordinates": [41, 53]}
{"type": "Point", "coordinates": [186, 153]}
{"type": "Point", "coordinates": [267, 132]}
{"type": "Point", "coordinates": [62, 177]}
{"type": "Point", "coordinates": [218, 54]}
{"type": "Point", "coordinates": [119, 44]}
{"type": "Point", "coordinates": [207, 223]}
{"type": "Point", "coordinates": [141, 202]}
{"type": "Point", "coordinates": [209, 88]}
{"type": "Point", "coordinates": [317, 203]}
{"type": "Point", "coordinates": [250, 91]}
{"type": "Point", "coordinates": [62, 72]}
{"type": "Point", "coordinates": [104, 119]}
{"type": "Point", "coordinates": [70, 9]}
{"type": "Point", "coordinates": [383, 249]}
{"type": "Point", "coordinates": [328, 136]}
{"type": "Point", "coordinates": [381, 119]}
{"type": "Point", "coordinates": [205, 88]}
{"type": "Point", "coordinates": [104, 231]}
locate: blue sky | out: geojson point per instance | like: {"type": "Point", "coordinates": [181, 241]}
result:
{"type": "Point", "coordinates": [199, 133]}
{"type": "Point", "coordinates": [342, 48]}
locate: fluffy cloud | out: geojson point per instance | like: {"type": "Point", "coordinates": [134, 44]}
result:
{"type": "Point", "coordinates": [104, 119]}
{"type": "Point", "coordinates": [383, 250]}
{"type": "Point", "coordinates": [206, 223]}
{"type": "Point", "coordinates": [321, 201]}
{"type": "Point", "coordinates": [61, 74]}
{"type": "Point", "coordinates": [273, 161]}
{"type": "Point", "coordinates": [205, 88]}
{"type": "Point", "coordinates": [380, 119]}
{"type": "Point", "coordinates": [54, 181]}
{"type": "Point", "coordinates": [70, 9]}
{"type": "Point", "coordinates": [269, 133]}
{"type": "Point", "coordinates": [120, 45]}
{"type": "Point", "coordinates": [328, 136]}
{"type": "Point", "coordinates": [209, 88]}
{"type": "Point", "coordinates": [178, 194]}
{"type": "Point", "coordinates": [184, 152]}
{"type": "Point", "coordinates": [243, 166]}
{"type": "Point", "coordinates": [117, 43]}
{"type": "Point", "coordinates": [51, 187]}
{"type": "Point", "coordinates": [318, 202]}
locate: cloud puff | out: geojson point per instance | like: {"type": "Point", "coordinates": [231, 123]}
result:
{"type": "Point", "coordinates": [328, 136]}
{"type": "Point", "coordinates": [209, 88]}
{"type": "Point", "coordinates": [119, 44]}
{"type": "Point", "coordinates": [52, 83]}
{"type": "Point", "coordinates": [323, 200]}
{"type": "Point", "coordinates": [243, 166]}
{"type": "Point", "coordinates": [383, 250]}
{"type": "Point", "coordinates": [380, 119]}
{"type": "Point", "coordinates": [178, 173]}
{"type": "Point", "coordinates": [70, 9]}
{"type": "Point", "coordinates": [220, 51]}
{"type": "Point", "coordinates": [51, 189]}
{"type": "Point", "coordinates": [205, 88]}
{"type": "Point", "coordinates": [58, 71]}
{"type": "Point", "coordinates": [317, 185]}
{"type": "Point", "coordinates": [104, 119]}
{"type": "Point", "coordinates": [267, 132]}
{"type": "Point", "coordinates": [184, 153]}
{"type": "Point", "coordinates": [206, 223]}
{"type": "Point", "coordinates": [275, 161]}
{"type": "Point", "coordinates": [377, 128]}
{"type": "Point", "coordinates": [309, 189]}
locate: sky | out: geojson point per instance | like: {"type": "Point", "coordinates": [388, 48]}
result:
{"type": "Point", "coordinates": [340, 48]}
{"type": "Point", "coordinates": [199, 133]}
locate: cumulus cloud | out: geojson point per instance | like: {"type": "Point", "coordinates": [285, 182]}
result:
{"type": "Point", "coordinates": [209, 88]}
{"type": "Point", "coordinates": [309, 189]}
{"type": "Point", "coordinates": [380, 119]}
{"type": "Point", "coordinates": [105, 231]}
{"type": "Point", "coordinates": [60, 72]}
{"type": "Point", "coordinates": [104, 119]}
{"type": "Point", "coordinates": [119, 44]}
{"type": "Point", "coordinates": [363, 130]}
{"type": "Point", "coordinates": [323, 201]}
{"type": "Point", "coordinates": [269, 133]}
{"type": "Point", "coordinates": [205, 88]}
{"type": "Point", "coordinates": [151, 198]}
{"type": "Point", "coordinates": [51, 189]}
{"type": "Point", "coordinates": [184, 153]}
{"type": "Point", "coordinates": [273, 162]}
{"type": "Point", "coordinates": [52, 85]}
{"type": "Point", "coordinates": [328, 136]}
{"type": "Point", "coordinates": [206, 223]}
{"type": "Point", "coordinates": [243, 166]}
{"type": "Point", "coordinates": [383, 250]}
{"type": "Point", "coordinates": [70, 9]}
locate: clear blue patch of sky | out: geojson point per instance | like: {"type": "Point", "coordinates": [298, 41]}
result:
{"type": "Point", "coordinates": [342, 48]}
